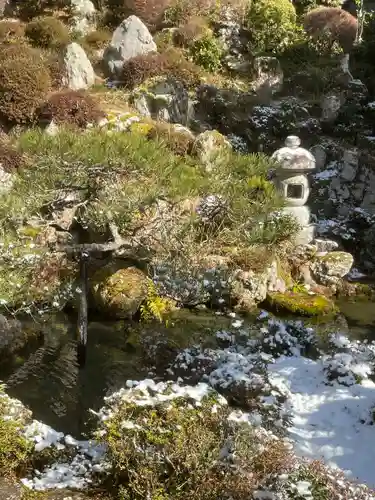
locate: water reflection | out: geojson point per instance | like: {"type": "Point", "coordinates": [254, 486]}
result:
{"type": "Point", "coordinates": [60, 394]}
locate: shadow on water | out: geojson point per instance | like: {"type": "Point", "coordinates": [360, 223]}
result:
{"type": "Point", "coordinates": [48, 379]}
{"type": "Point", "coordinates": [50, 382]}
{"type": "Point", "coordinates": [360, 318]}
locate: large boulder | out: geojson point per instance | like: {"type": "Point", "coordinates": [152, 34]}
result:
{"type": "Point", "coordinates": [84, 16]}
{"type": "Point", "coordinates": [78, 70]}
{"type": "Point", "coordinates": [130, 39]}
{"type": "Point", "coordinates": [118, 293]}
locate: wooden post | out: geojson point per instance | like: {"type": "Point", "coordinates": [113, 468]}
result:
{"type": "Point", "coordinates": [82, 310]}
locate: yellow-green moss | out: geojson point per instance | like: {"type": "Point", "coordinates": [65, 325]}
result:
{"type": "Point", "coordinates": [141, 128]}
{"type": "Point", "coordinates": [15, 450]}
{"type": "Point", "coordinates": [301, 304]}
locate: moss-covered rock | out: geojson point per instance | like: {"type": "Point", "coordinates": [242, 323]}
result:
{"type": "Point", "coordinates": [301, 304]}
{"type": "Point", "coordinates": [119, 292]}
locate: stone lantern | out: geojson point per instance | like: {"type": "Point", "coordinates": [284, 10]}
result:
{"type": "Point", "coordinates": [291, 179]}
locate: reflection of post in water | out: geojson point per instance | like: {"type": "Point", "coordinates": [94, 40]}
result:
{"type": "Point", "coordinates": [82, 310]}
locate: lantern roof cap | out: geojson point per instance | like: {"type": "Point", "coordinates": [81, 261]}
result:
{"type": "Point", "coordinates": [294, 158]}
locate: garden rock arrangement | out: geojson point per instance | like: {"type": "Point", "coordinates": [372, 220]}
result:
{"type": "Point", "coordinates": [144, 134]}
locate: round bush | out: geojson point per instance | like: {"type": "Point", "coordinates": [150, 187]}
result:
{"type": "Point", "coordinates": [151, 12]}
{"type": "Point", "coordinates": [304, 6]}
{"type": "Point", "coordinates": [47, 32]}
{"type": "Point", "coordinates": [171, 63]}
{"type": "Point", "coordinates": [271, 23]}
{"type": "Point", "coordinates": [191, 31]}
{"type": "Point", "coordinates": [207, 52]}
{"type": "Point", "coordinates": [71, 107]}
{"type": "Point", "coordinates": [24, 83]}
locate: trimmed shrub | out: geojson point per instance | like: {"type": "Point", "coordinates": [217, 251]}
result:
{"type": "Point", "coordinates": [71, 107]}
{"type": "Point", "coordinates": [336, 24]}
{"type": "Point", "coordinates": [207, 52]}
{"type": "Point", "coordinates": [24, 83]}
{"type": "Point", "coordinates": [11, 30]}
{"type": "Point", "coordinates": [304, 6]}
{"type": "Point", "coordinates": [191, 31]}
{"type": "Point", "coordinates": [47, 32]}
{"type": "Point", "coordinates": [171, 63]}
{"type": "Point", "coordinates": [272, 24]}
{"type": "Point", "coordinates": [151, 12]}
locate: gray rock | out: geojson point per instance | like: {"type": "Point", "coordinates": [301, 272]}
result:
{"type": "Point", "coordinates": [331, 267]}
{"type": "Point", "coordinates": [6, 181]}
{"type": "Point", "coordinates": [325, 245]}
{"type": "Point", "coordinates": [78, 71]}
{"type": "Point", "coordinates": [331, 105]}
{"type": "Point", "coordinates": [130, 39]}
{"type": "Point", "coordinates": [84, 16]}
{"type": "Point", "coordinates": [269, 75]}
{"type": "Point", "coordinates": [350, 165]}
{"type": "Point", "coordinates": [210, 146]}
{"type": "Point", "coordinates": [320, 156]}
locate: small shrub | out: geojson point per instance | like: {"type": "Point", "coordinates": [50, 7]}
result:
{"type": "Point", "coordinates": [272, 24]}
{"type": "Point", "coordinates": [207, 52]}
{"type": "Point", "coordinates": [24, 82]}
{"type": "Point", "coordinates": [181, 11]}
{"type": "Point", "coordinates": [98, 39]}
{"type": "Point", "coordinates": [339, 25]}
{"type": "Point", "coordinates": [164, 39]}
{"type": "Point", "coordinates": [54, 63]}
{"type": "Point", "coordinates": [71, 107]}
{"type": "Point", "coordinates": [179, 142]}
{"type": "Point", "coordinates": [28, 9]}
{"type": "Point", "coordinates": [151, 12]}
{"type": "Point", "coordinates": [170, 63]}
{"type": "Point", "coordinates": [191, 31]}
{"type": "Point", "coordinates": [11, 30]}
{"type": "Point", "coordinates": [47, 32]}
{"type": "Point", "coordinates": [304, 6]}
{"type": "Point", "coordinates": [10, 158]}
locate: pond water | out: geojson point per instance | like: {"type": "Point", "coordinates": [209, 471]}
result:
{"type": "Point", "coordinates": [50, 382]}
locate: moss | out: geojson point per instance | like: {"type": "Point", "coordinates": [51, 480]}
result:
{"type": "Point", "coordinates": [15, 450]}
{"type": "Point", "coordinates": [141, 128]}
{"type": "Point", "coordinates": [119, 292]}
{"type": "Point", "coordinates": [333, 257]}
{"type": "Point", "coordinates": [301, 304]}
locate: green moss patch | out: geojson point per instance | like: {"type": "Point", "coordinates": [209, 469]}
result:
{"type": "Point", "coordinates": [301, 304]}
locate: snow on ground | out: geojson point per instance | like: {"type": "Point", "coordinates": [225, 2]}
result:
{"type": "Point", "coordinates": [327, 419]}
{"type": "Point", "coordinates": [325, 403]}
